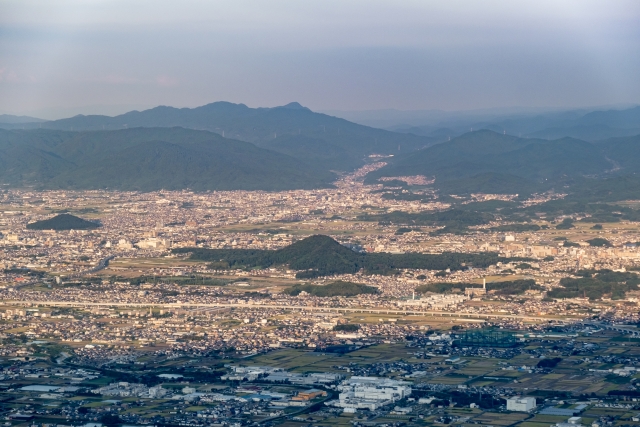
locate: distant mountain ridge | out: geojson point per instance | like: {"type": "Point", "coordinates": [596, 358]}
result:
{"type": "Point", "coordinates": [580, 124]}
{"type": "Point", "coordinates": [350, 143]}
{"type": "Point", "coordinates": [8, 119]}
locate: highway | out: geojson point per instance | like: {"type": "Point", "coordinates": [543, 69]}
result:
{"type": "Point", "coordinates": [618, 328]}
{"type": "Point", "coordinates": [174, 306]}
{"type": "Point", "coordinates": [102, 264]}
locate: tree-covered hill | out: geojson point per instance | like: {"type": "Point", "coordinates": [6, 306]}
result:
{"type": "Point", "coordinates": [63, 222]}
{"type": "Point", "coordinates": [596, 284]}
{"type": "Point", "coordinates": [483, 152]}
{"type": "Point", "coordinates": [148, 159]}
{"type": "Point", "coordinates": [320, 255]}
{"type": "Point", "coordinates": [333, 289]}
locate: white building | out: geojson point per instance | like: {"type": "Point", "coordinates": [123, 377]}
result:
{"type": "Point", "coordinates": [521, 404]}
{"type": "Point", "coordinates": [435, 301]}
{"type": "Point", "coordinates": [370, 393]}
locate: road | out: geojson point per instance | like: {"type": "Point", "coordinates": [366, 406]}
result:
{"type": "Point", "coordinates": [619, 328]}
{"type": "Point", "coordinates": [102, 264]}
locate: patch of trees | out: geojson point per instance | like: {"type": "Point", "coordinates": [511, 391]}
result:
{"type": "Point", "coordinates": [549, 363]}
{"type": "Point", "coordinates": [599, 242]}
{"type": "Point", "coordinates": [568, 244]}
{"type": "Point", "coordinates": [338, 288]}
{"type": "Point", "coordinates": [566, 224]}
{"type": "Point", "coordinates": [483, 400]}
{"type": "Point", "coordinates": [596, 284]}
{"type": "Point", "coordinates": [451, 217]}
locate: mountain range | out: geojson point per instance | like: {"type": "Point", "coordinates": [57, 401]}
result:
{"type": "Point", "coordinates": [291, 129]}
{"type": "Point", "coordinates": [225, 146]}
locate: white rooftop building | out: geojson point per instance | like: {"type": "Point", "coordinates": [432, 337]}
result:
{"type": "Point", "coordinates": [521, 404]}
{"type": "Point", "coordinates": [370, 393]}
{"type": "Point", "coordinates": [435, 301]}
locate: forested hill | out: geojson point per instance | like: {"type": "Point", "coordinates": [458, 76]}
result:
{"type": "Point", "coordinates": [490, 162]}
{"type": "Point", "coordinates": [63, 222]}
{"type": "Point", "coordinates": [291, 129]}
{"type": "Point", "coordinates": [148, 159]}
{"type": "Point", "coordinates": [322, 256]}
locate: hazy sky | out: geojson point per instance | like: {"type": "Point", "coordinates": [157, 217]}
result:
{"type": "Point", "coordinates": [63, 56]}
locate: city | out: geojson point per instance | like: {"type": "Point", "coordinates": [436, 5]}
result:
{"type": "Point", "coordinates": [313, 213]}
{"type": "Point", "coordinates": [170, 340]}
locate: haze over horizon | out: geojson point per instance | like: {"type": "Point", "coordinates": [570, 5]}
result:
{"type": "Point", "coordinates": [69, 57]}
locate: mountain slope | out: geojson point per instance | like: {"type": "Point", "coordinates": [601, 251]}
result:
{"type": "Point", "coordinates": [148, 159]}
{"type": "Point", "coordinates": [623, 152]}
{"type": "Point", "coordinates": [591, 126]}
{"type": "Point", "coordinates": [489, 158]}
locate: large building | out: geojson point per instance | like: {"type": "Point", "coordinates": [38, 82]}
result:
{"type": "Point", "coordinates": [521, 404]}
{"type": "Point", "coordinates": [370, 393]}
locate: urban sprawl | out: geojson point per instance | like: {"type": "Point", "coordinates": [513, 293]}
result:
{"type": "Point", "coordinates": [119, 325]}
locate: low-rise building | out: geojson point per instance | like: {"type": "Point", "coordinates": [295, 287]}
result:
{"type": "Point", "coordinates": [521, 404]}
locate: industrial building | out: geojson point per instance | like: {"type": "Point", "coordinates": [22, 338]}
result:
{"type": "Point", "coordinates": [521, 404]}
{"type": "Point", "coordinates": [369, 393]}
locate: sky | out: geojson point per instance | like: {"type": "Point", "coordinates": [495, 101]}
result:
{"type": "Point", "coordinates": [63, 57]}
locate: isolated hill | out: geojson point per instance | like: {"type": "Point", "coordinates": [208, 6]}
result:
{"type": "Point", "coordinates": [320, 255]}
{"type": "Point", "coordinates": [63, 222]}
{"type": "Point", "coordinates": [148, 159]}
{"type": "Point", "coordinates": [347, 143]}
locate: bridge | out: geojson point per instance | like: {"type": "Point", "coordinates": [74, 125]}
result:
{"type": "Point", "coordinates": [618, 328]}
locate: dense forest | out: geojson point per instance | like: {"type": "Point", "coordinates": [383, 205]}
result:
{"type": "Point", "coordinates": [333, 289]}
{"type": "Point", "coordinates": [596, 284]}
